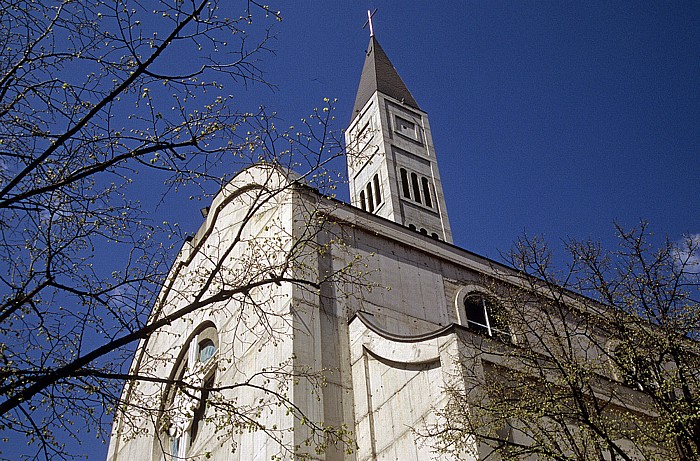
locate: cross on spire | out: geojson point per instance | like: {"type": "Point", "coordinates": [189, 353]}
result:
{"type": "Point", "coordinates": [369, 21]}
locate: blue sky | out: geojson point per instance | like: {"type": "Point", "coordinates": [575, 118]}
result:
{"type": "Point", "coordinates": [554, 118]}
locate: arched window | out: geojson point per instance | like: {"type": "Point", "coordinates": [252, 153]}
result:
{"type": "Point", "coordinates": [186, 398]}
{"type": "Point", "coordinates": [416, 187]}
{"type": "Point", "coordinates": [426, 192]}
{"type": "Point", "coordinates": [485, 314]}
{"type": "Point", "coordinates": [362, 201]}
{"type": "Point", "coordinates": [370, 198]}
{"type": "Point", "coordinates": [377, 192]}
{"type": "Point", "coordinates": [404, 183]}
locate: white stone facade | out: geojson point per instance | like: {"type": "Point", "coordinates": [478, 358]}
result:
{"type": "Point", "coordinates": [388, 337]}
{"type": "Point", "coordinates": [406, 293]}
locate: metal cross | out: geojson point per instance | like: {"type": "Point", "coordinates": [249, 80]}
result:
{"type": "Point", "coordinates": [369, 21]}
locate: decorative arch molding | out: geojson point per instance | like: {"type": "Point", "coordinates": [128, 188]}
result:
{"type": "Point", "coordinates": [257, 180]}
{"type": "Point", "coordinates": [210, 331]}
{"type": "Point", "coordinates": [396, 348]}
{"type": "Point", "coordinates": [420, 365]}
{"type": "Point", "coordinates": [390, 370]}
{"type": "Point", "coordinates": [366, 319]}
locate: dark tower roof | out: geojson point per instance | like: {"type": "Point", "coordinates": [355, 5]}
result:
{"type": "Point", "coordinates": [378, 74]}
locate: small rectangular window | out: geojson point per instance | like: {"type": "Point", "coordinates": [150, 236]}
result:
{"type": "Point", "coordinates": [206, 350]}
{"type": "Point", "coordinates": [405, 127]}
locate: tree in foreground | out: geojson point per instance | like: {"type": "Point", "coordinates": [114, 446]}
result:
{"type": "Point", "coordinates": [109, 112]}
{"type": "Point", "coordinates": [600, 361]}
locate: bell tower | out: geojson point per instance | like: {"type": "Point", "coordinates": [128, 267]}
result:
{"type": "Point", "coordinates": [392, 168]}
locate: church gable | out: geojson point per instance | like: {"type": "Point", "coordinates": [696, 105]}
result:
{"type": "Point", "coordinates": [355, 332]}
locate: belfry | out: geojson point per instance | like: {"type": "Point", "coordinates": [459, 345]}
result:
{"type": "Point", "coordinates": [392, 167]}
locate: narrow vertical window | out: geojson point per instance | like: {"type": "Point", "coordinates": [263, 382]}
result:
{"type": "Point", "coordinates": [362, 200]}
{"type": "Point", "coordinates": [192, 379]}
{"type": "Point", "coordinates": [175, 451]}
{"type": "Point", "coordinates": [404, 184]}
{"type": "Point", "coordinates": [370, 198]}
{"type": "Point", "coordinates": [416, 187]}
{"type": "Point", "coordinates": [377, 191]}
{"type": "Point", "coordinates": [200, 411]}
{"type": "Point", "coordinates": [426, 192]}
{"type": "Point", "coordinates": [205, 351]}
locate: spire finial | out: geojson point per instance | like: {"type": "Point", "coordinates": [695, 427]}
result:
{"type": "Point", "coordinates": [369, 21]}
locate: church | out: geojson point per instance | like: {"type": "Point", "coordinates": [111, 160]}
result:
{"type": "Point", "coordinates": [308, 328]}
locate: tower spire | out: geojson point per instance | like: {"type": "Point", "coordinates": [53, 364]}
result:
{"type": "Point", "coordinates": [379, 74]}
{"type": "Point", "coordinates": [391, 160]}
